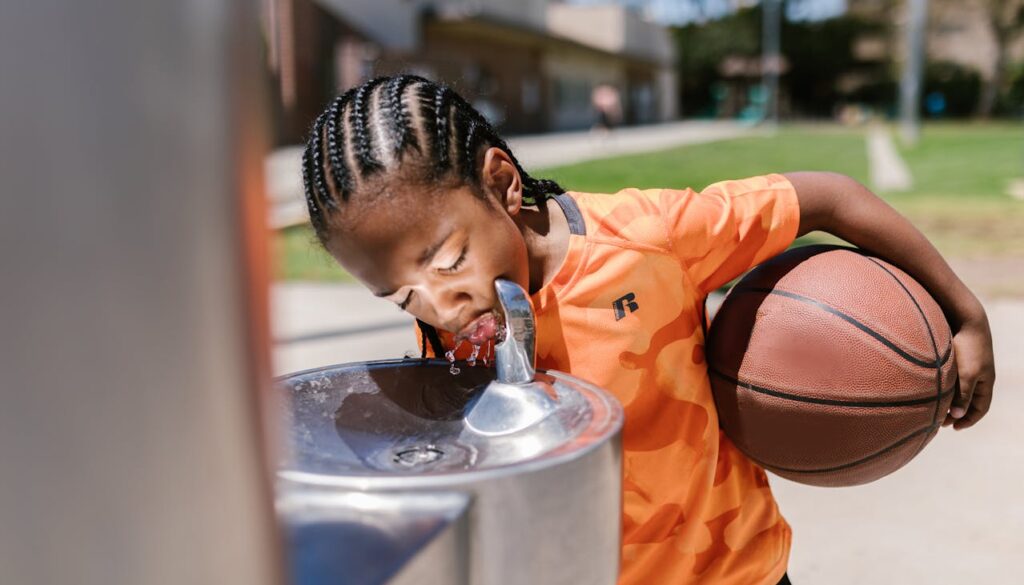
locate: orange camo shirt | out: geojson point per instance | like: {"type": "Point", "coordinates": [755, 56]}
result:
{"type": "Point", "coordinates": [626, 312]}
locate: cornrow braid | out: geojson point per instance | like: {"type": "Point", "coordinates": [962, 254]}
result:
{"type": "Point", "coordinates": [360, 115]}
{"type": "Point", "coordinates": [336, 147]}
{"type": "Point", "coordinates": [398, 114]}
{"type": "Point", "coordinates": [535, 190]}
{"type": "Point", "coordinates": [467, 154]}
{"type": "Point", "coordinates": [442, 107]}
{"type": "Point", "coordinates": [429, 335]}
{"type": "Point", "coordinates": [316, 189]}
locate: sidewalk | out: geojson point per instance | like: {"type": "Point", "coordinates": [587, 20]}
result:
{"type": "Point", "coordinates": [889, 172]}
{"type": "Point", "coordinates": [284, 166]}
{"type": "Point", "coordinates": [549, 150]}
{"type": "Point", "coordinates": [318, 324]}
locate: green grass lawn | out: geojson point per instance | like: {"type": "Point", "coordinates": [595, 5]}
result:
{"type": "Point", "coordinates": [300, 257]}
{"type": "Point", "coordinates": [798, 149]}
{"type": "Point", "coordinates": [960, 200]}
{"type": "Point", "coordinates": [972, 161]}
{"type": "Point", "coordinates": [961, 173]}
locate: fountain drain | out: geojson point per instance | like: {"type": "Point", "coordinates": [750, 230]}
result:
{"type": "Point", "coordinates": [418, 455]}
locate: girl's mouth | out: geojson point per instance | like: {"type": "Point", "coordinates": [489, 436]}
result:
{"type": "Point", "coordinates": [481, 329]}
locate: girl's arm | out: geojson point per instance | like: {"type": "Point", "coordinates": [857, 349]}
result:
{"type": "Point", "coordinates": [843, 207]}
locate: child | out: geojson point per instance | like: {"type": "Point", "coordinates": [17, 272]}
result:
{"type": "Point", "coordinates": [413, 192]}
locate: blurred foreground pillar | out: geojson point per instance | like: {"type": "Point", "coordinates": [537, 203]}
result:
{"type": "Point", "coordinates": [132, 302]}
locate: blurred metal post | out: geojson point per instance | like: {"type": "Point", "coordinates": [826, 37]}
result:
{"type": "Point", "coordinates": [771, 58]}
{"type": "Point", "coordinates": [913, 65]}
{"type": "Point", "coordinates": [132, 344]}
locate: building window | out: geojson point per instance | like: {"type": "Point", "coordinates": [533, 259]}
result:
{"type": "Point", "coordinates": [572, 94]}
{"type": "Point", "coordinates": [531, 95]}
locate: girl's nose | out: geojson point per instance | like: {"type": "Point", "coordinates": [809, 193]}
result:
{"type": "Point", "coordinates": [453, 307]}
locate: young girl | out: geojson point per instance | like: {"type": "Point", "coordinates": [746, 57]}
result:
{"type": "Point", "coordinates": [412, 192]}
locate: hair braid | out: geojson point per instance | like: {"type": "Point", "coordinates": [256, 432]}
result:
{"type": "Point", "coordinates": [539, 189]}
{"type": "Point", "coordinates": [360, 119]}
{"type": "Point", "coordinates": [442, 111]}
{"type": "Point", "coordinates": [336, 148]}
{"type": "Point", "coordinates": [318, 165]}
{"type": "Point", "coordinates": [470, 142]}
{"type": "Point", "coordinates": [318, 196]}
{"type": "Point", "coordinates": [429, 334]}
{"type": "Point", "coordinates": [399, 123]}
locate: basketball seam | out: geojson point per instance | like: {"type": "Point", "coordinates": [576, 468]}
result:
{"type": "Point", "coordinates": [852, 321]}
{"type": "Point", "coordinates": [827, 401]}
{"type": "Point", "coordinates": [926, 430]}
{"type": "Point", "coordinates": [935, 348]}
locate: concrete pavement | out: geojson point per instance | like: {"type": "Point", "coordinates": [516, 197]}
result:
{"type": "Point", "coordinates": [548, 150]}
{"type": "Point", "coordinates": [320, 324]}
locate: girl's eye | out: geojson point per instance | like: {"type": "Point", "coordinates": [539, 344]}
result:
{"type": "Point", "coordinates": [458, 263]}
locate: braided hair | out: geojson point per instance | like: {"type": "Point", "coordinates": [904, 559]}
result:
{"type": "Point", "coordinates": [372, 129]}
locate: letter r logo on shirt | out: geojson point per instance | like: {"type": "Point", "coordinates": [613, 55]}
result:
{"type": "Point", "coordinates": [622, 303]}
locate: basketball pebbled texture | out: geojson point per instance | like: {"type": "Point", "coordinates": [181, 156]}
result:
{"type": "Point", "coordinates": [830, 367]}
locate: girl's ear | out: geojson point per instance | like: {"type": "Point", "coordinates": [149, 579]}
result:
{"type": "Point", "coordinates": [501, 180]}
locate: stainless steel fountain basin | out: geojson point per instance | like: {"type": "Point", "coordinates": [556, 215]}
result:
{"type": "Point", "coordinates": [544, 496]}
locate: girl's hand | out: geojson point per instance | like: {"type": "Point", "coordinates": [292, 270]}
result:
{"type": "Point", "coordinates": [843, 207]}
{"type": "Point", "coordinates": [975, 364]}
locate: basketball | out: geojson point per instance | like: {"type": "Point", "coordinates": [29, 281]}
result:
{"type": "Point", "coordinates": [830, 367]}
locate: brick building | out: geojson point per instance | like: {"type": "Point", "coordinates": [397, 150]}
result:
{"type": "Point", "coordinates": [529, 65]}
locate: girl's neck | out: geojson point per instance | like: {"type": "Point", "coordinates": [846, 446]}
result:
{"type": "Point", "coordinates": [546, 232]}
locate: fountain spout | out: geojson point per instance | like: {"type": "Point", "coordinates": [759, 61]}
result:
{"type": "Point", "coordinates": [515, 355]}
{"type": "Point", "coordinates": [515, 400]}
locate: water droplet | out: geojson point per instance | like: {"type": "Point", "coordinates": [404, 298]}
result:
{"type": "Point", "coordinates": [450, 354]}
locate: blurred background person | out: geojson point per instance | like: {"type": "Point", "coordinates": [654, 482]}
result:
{"type": "Point", "coordinates": [607, 107]}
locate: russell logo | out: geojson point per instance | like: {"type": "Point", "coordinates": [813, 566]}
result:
{"type": "Point", "coordinates": [625, 302]}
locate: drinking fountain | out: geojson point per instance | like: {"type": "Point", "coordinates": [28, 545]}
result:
{"type": "Point", "coordinates": [399, 471]}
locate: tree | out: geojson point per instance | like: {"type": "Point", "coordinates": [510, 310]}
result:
{"type": "Point", "coordinates": [1005, 21]}
{"type": "Point", "coordinates": [818, 54]}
